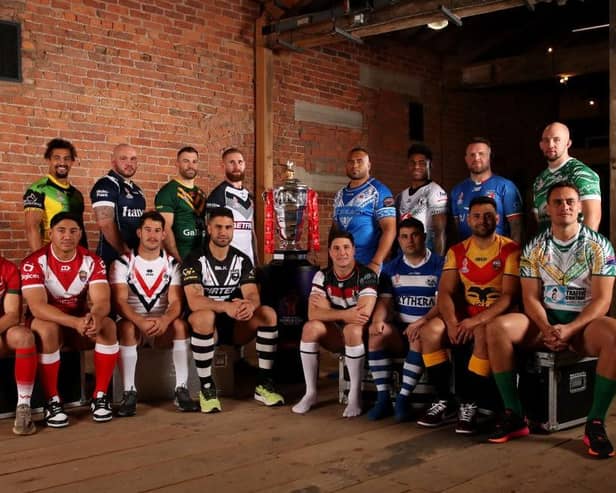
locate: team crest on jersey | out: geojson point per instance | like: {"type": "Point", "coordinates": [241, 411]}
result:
{"type": "Point", "coordinates": [460, 199]}
{"type": "Point", "coordinates": [464, 268]}
{"type": "Point", "coordinates": [491, 194]}
{"type": "Point", "coordinates": [431, 282]}
{"type": "Point", "coordinates": [388, 202]}
{"type": "Point", "coordinates": [497, 264]}
{"type": "Point", "coordinates": [235, 275]}
{"type": "Point", "coordinates": [83, 275]}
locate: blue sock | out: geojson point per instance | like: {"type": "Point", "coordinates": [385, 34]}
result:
{"type": "Point", "coordinates": [380, 366]}
{"type": "Point", "coordinates": [411, 372]}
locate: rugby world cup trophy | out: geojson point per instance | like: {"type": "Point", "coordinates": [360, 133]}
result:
{"type": "Point", "coordinates": [286, 281]}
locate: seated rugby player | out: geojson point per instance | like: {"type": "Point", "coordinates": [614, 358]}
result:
{"type": "Point", "coordinates": [339, 308]}
{"type": "Point", "coordinates": [57, 282]}
{"type": "Point", "coordinates": [221, 291]}
{"type": "Point", "coordinates": [147, 293]}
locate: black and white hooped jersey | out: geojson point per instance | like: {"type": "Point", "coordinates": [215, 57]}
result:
{"type": "Point", "coordinates": [148, 281]}
{"type": "Point", "coordinates": [221, 279]}
{"type": "Point", "coordinates": [240, 202]}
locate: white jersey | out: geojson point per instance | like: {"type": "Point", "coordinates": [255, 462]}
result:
{"type": "Point", "coordinates": [422, 203]}
{"type": "Point", "coordinates": [148, 281]}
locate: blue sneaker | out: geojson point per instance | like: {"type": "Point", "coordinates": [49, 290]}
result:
{"type": "Point", "coordinates": [382, 409]}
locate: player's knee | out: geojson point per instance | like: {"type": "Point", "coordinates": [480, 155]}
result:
{"type": "Point", "coordinates": [312, 331]}
{"type": "Point", "coordinates": [376, 342]}
{"type": "Point", "coordinates": [202, 321]}
{"type": "Point", "coordinates": [19, 337]}
{"type": "Point", "coordinates": [268, 315]}
{"type": "Point", "coordinates": [353, 333]}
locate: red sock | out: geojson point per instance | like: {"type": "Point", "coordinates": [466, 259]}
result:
{"type": "Point", "coordinates": [103, 366]}
{"type": "Point", "coordinates": [48, 373]}
{"type": "Point", "coordinates": [25, 373]}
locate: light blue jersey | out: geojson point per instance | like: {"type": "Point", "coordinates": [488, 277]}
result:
{"type": "Point", "coordinates": [358, 210]}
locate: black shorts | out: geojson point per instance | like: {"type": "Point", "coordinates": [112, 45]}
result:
{"type": "Point", "coordinates": [224, 328]}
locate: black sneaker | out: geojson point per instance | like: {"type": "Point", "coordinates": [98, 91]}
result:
{"type": "Point", "coordinates": [54, 415]}
{"type": "Point", "coordinates": [184, 402]}
{"type": "Point", "coordinates": [100, 407]}
{"type": "Point", "coordinates": [510, 426]}
{"type": "Point", "coordinates": [128, 406]}
{"type": "Point", "coordinates": [438, 414]}
{"type": "Point", "coordinates": [597, 441]}
{"type": "Point", "coordinates": [467, 419]}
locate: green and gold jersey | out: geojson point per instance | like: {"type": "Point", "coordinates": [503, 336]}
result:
{"type": "Point", "coordinates": [188, 208]}
{"type": "Point", "coordinates": [566, 270]}
{"type": "Point", "coordinates": [573, 171]}
{"type": "Point", "coordinates": [50, 196]}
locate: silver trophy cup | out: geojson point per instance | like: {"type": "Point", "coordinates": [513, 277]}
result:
{"type": "Point", "coordinates": [290, 203]}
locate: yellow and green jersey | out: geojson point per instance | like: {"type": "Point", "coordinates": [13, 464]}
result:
{"type": "Point", "coordinates": [50, 196]}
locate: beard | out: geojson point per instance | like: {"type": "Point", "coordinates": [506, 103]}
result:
{"type": "Point", "coordinates": [235, 176]}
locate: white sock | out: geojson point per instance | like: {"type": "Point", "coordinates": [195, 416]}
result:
{"type": "Point", "coordinates": [128, 363]}
{"type": "Point", "coordinates": [309, 352]}
{"type": "Point", "coordinates": [354, 359]}
{"type": "Point", "coordinates": [180, 361]}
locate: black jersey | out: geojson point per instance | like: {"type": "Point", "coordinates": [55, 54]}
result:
{"type": "Point", "coordinates": [345, 293]}
{"type": "Point", "coordinates": [221, 279]}
{"type": "Point", "coordinates": [240, 202]}
{"type": "Point", "coordinates": [128, 201]}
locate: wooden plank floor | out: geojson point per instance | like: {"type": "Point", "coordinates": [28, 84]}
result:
{"type": "Point", "coordinates": [251, 448]}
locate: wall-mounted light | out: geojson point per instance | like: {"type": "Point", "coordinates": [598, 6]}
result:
{"type": "Point", "coordinates": [550, 50]}
{"type": "Point", "coordinates": [592, 103]}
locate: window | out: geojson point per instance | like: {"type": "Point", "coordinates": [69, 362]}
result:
{"type": "Point", "coordinates": [10, 51]}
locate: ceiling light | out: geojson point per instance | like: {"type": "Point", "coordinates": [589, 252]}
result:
{"type": "Point", "coordinates": [438, 25]}
{"type": "Point", "coordinates": [589, 28]}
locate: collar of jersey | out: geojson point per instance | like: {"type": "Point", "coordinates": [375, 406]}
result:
{"type": "Point", "coordinates": [554, 170]}
{"type": "Point", "coordinates": [355, 189]}
{"type": "Point", "coordinates": [59, 259]}
{"type": "Point", "coordinates": [119, 177]}
{"type": "Point", "coordinates": [57, 183]}
{"type": "Point", "coordinates": [182, 185]}
{"type": "Point", "coordinates": [570, 241]}
{"type": "Point", "coordinates": [422, 262]}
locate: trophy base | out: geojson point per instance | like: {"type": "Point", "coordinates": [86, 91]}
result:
{"type": "Point", "coordinates": [291, 255]}
{"type": "Point", "coordinates": [286, 283]}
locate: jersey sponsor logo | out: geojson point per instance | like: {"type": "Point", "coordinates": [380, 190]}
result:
{"type": "Point", "coordinates": [243, 225]}
{"type": "Point", "coordinates": [28, 267]}
{"type": "Point", "coordinates": [189, 232]}
{"type": "Point", "coordinates": [83, 275]}
{"type": "Point", "coordinates": [188, 271]}
{"type": "Point", "coordinates": [26, 277]}
{"type": "Point", "coordinates": [416, 301]}
{"type": "Point", "coordinates": [65, 268]}
{"type": "Point", "coordinates": [126, 212]}
{"type": "Point", "coordinates": [31, 200]}
{"type": "Point", "coordinates": [575, 294]}
{"type": "Point", "coordinates": [102, 193]}
{"type": "Point", "coordinates": [388, 202]}
{"type": "Point", "coordinates": [222, 291]}
{"type": "Point", "coordinates": [460, 199]}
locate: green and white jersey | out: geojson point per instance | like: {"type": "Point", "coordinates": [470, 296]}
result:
{"type": "Point", "coordinates": [188, 208]}
{"type": "Point", "coordinates": [566, 270]}
{"type": "Point", "coordinates": [574, 171]}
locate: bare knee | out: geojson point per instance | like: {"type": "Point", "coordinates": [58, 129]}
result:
{"type": "Point", "coordinates": [180, 329]}
{"type": "Point", "coordinates": [353, 334]}
{"type": "Point", "coordinates": [312, 331]}
{"type": "Point", "coordinates": [127, 332]}
{"type": "Point", "coordinates": [202, 321]}
{"type": "Point", "coordinates": [19, 337]}
{"type": "Point", "coordinates": [108, 334]}
{"type": "Point", "coordinates": [267, 316]}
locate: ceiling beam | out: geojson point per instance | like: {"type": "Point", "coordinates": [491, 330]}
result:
{"type": "Point", "coordinates": [400, 16]}
{"type": "Point", "coordinates": [578, 60]}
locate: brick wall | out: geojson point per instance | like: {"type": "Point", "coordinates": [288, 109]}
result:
{"type": "Point", "coordinates": [160, 74]}
{"type": "Point", "coordinates": [156, 74]}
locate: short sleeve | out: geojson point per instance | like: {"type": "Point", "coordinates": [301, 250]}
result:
{"type": "Point", "coordinates": [450, 260]}
{"type": "Point", "coordinates": [32, 275]}
{"type": "Point", "coordinates": [99, 271]}
{"type": "Point", "coordinates": [367, 283]}
{"type": "Point", "coordinates": [165, 200]}
{"type": "Point", "coordinates": [437, 200]}
{"type": "Point", "coordinates": [318, 284]}
{"type": "Point", "coordinates": [34, 199]}
{"type": "Point", "coordinates": [386, 204]}
{"type": "Point", "coordinates": [10, 273]}
{"type": "Point", "coordinates": [119, 271]}
{"type": "Point", "coordinates": [512, 200]}
{"type": "Point", "coordinates": [104, 193]}
{"type": "Point", "coordinates": [191, 271]}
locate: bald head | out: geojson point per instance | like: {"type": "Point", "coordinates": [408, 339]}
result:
{"type": "Point", "coordinates": [555, 143]}
{"type": "Point", "coordinates": [124, 160]}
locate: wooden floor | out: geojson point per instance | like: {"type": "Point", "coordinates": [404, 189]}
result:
{"type": "Point", "coordinates": [251, 448]}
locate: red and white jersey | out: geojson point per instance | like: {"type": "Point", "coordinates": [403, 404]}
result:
{"type": "Point", "coordinates": [9, 280]}
{"type": "Point", "coordinates": [66, 282]}
{"type": "Point", "coordinates": [148, 281]}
